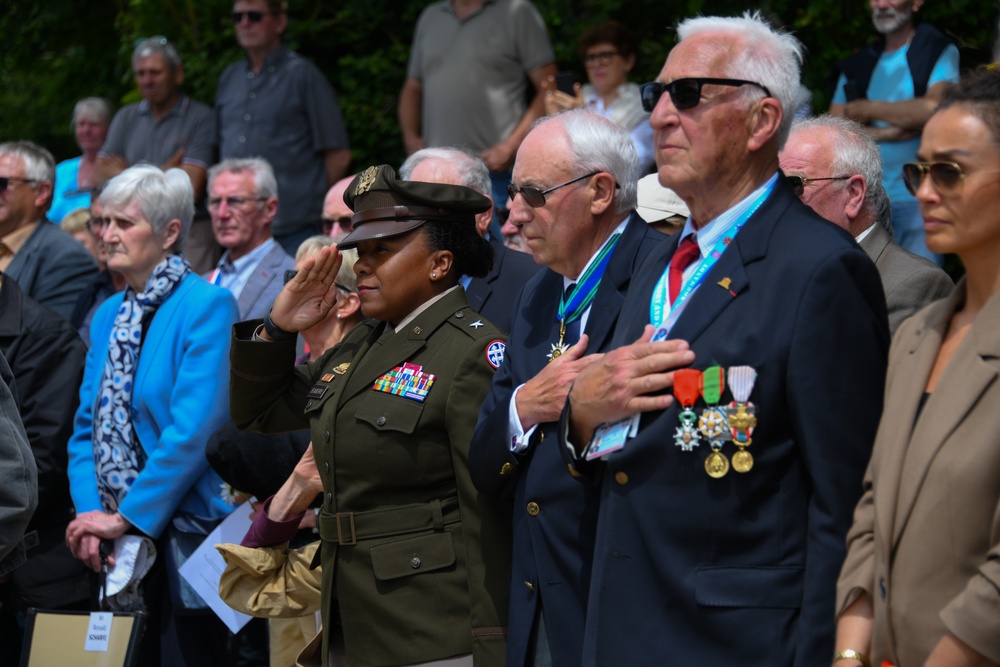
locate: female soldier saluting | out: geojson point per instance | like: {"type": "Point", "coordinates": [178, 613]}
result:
{"type": "Point", "coordinates": [416, 557]}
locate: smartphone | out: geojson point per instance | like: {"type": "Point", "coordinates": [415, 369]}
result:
{"type": "Point", "coordinates": [564, 82]}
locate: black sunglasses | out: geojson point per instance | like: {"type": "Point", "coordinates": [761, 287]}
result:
{"type": "Point", "coordinates": [534, 197]}
{"type": "Point", "coordinates": [799, 183]}
{"type": "Point", "coordinates": [686, 93]}
{"type": "Point", "coordinates": [253, 17]}
{"type": "Point", "coordinates": [344, 222]}
{"type": "Point", "coordinates": [945, 176]}
{"type": "Point", "coordinates": [5, 181]}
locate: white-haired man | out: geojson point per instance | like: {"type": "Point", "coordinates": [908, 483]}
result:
{"type": "Point", "coordinates": [758, 334]}
{"type": "Point", "coordinates": [836, 169]}
{"type": "Point", "coordinates": [573, 194]}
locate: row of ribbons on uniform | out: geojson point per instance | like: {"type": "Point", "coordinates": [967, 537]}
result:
{"type": "Point", "coordinates": [718, 423]}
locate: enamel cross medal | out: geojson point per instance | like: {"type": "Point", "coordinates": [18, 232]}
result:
{"type": "Point", "coordinates": [686, 383]}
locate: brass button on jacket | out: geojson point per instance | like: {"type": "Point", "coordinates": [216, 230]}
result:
{"type": "Point", "coordinates": [533, 508]}
{"type": "Point", "coordinates": [621, 478]}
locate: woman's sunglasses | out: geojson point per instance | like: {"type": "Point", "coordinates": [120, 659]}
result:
{"type": "Point", "coordinates": [946, 176]}
{"type": "Point", "coordinates": [686, 93]}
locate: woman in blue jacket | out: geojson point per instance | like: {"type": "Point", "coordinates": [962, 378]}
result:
{"type": "Point", "coordinates": [154, 389]}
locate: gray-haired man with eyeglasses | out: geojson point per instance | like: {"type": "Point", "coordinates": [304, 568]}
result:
{"type": "Point", "coordinates": [48, 264]}
{"type": "Point", "coordinates": [243, 201]}
{"type": "Point", "coordinates": [836, 169]}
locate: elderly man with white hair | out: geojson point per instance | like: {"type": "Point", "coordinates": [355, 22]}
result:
{"type": "Point", "coordinates": [730, 424]}
{"type": "Point", "coordinates": [836, 169]}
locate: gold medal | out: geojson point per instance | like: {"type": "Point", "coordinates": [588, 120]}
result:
{"type": "Point", "coordinates": [717, 465]}
{"type": "Point", "coordinates": [742, 461]}
{"type": "Point", "coordinates": [559, 348]}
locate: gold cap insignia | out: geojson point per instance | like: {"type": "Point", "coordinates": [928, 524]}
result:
{"type": "Point", "coordinates": [366, 181]}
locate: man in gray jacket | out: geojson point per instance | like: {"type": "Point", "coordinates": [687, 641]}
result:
{"type": "Point", "coordinates": [19, 492]}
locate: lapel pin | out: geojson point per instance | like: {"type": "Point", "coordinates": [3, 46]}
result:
{"type": "Point", "coordinates": [725, 283]}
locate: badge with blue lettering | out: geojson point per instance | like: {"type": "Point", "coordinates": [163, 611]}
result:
{"type": "Point", "coordinates": [409, 381]}
{"type": "Point", "coordinates": [494, 353]}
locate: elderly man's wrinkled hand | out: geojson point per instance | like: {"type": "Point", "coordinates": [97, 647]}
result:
{"type": "Point", "coordinates": [629, 380]}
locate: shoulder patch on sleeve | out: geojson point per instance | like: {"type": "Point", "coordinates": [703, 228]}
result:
{"type": "Point", "coordinates": [495, 352]}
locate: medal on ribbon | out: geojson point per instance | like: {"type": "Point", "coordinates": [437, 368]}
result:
{"type": "Point", "coordinates": [573, 305]}
{"type": "Point", "coordinates": [686, 385]}
{"type": "Point", "coordinates": [741, 414]}
{"type": "Point", "coordinates": [559, 348]}
{"type": "Point", "coordinates": [712, 422]}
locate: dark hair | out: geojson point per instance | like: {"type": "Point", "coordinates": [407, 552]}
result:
{"type": "Point", "coordinates": [611, 32]}
{"type": "Point", "coordinates": [473, 254]}
{"type": "Point", "coordinates": [979, 92]}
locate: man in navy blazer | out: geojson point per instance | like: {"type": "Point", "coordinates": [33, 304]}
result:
{"type": "Point", "coordinates": [514, 451]}
{"type": "Point", "coordinates": [492, 296]}
{"type": "Point", "coordinates": [243, 202]}
{"type": "Point", "coordinates": [722, 527]}
{"type": "Point", "coordinates": [50, 266]}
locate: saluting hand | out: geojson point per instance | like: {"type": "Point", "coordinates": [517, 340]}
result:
{"type": "Point", "coordinates": [308, 297]}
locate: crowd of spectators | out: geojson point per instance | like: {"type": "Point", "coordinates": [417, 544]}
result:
{"type": "Point", "coordinates": [692, 372]}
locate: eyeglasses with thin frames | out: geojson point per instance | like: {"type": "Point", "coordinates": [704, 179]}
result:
{"type": "Point", "coordinates": [344, 222]}
{"type": "Point", "coordinates": [534, 197]}
{"type": "Point", "coordinates": [686, 93]}
{"type": "Point", "coordinates": [253, 17]}
{"type": "Point", "coordinates": [5, 181]}
{"type": "Point", "coordinates": [799, 183]}
{"type": "Point", "coordinates": [215, 203]}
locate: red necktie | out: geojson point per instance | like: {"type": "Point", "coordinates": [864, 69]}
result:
{"type": "Point", "coordinates": [685, 255]}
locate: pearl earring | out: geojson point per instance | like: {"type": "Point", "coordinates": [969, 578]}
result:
{"type": "Point", "coordinates": [434, 276]}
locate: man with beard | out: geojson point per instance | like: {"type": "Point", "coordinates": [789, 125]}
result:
{"type": "Point", "coordinates": [892, 86]}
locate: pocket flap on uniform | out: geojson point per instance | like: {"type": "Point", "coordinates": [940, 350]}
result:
{"type": "Point", "coordinates": [386, 412]}
{"type": "Point", "coordinates": [414, 555]}
{"type": "Point", "coordinates": [766, 587]}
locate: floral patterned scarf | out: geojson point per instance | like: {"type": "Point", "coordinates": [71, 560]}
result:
{"type": "Point", "coordinates": [118, 454]}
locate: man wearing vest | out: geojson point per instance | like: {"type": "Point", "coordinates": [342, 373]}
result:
{"type": "Point", "coordinates": [892, 86]}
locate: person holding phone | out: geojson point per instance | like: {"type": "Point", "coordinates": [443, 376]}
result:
{"type": "Point", "coordinates": [608, 52]}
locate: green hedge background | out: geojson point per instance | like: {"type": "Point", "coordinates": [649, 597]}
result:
{"type": "Point", "coordinates": [57, 51]}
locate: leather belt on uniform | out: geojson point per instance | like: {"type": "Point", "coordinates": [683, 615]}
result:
{"type": "Point", "coordinates": [346, 528]}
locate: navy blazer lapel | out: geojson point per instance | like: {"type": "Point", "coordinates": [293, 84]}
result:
{"type": "Point", "coordinates": [539, 315]}
{"type": "Point", "coordinates": [724, 283]}
{"type": "Point", "coordinates": [617, 276]}
{"type": "Point", "coordinates": [480, 288]}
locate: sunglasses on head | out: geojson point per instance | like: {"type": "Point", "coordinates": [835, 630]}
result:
{"type": "Point", "coordinates": [686, 93]}
{"type": "Point", "coordinates": [253, 17]}
{"type": "Point", "coordinates": [534, 197]}
{"type": "Point", "coordinates": [799, 183]}
{"type": "Point", "coordinates": [945, 176]}
{"type": "Point", "coordinates": [5, 181]}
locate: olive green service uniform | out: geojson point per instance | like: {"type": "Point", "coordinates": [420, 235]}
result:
{"type": "Point", "coordinates": [418, 560]}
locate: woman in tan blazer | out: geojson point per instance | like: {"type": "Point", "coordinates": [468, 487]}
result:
{"type": "Point", "coordinates": [921, 583]}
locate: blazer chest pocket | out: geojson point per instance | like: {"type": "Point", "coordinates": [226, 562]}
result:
{"type": "Point", "coordinates": [385, 412]}
{"type": "Point", "coordinates": [763, 587]}
{"type": "Point", "coordinates": [413, 555]}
